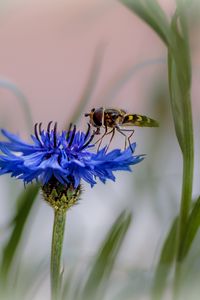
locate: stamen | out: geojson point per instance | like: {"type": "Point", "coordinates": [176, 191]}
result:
{"type": "Point", "coordinates": [88, 142]}
{"type": "Point", "coordinates": [40, 128]}
{"type": "Point", "coordinates": [68, 131]}
{"type": "Point", "coordinates": [49, 128]}
{"type": "Point", "coordinates": [55, 135]}
{"type": "Point", "coordinates": [36, 131]}
{"type": "Point", "coordinates": [72, 136]}
{"type": "Point", "coordinates": [87, 132]}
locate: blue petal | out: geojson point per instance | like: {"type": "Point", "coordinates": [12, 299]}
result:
{"type": "Point", "coordinates": [34, 159]}
{"type": "Point", "coordinates": [16, 143]}
{"type": "Point", "coordinates": [43, 160]}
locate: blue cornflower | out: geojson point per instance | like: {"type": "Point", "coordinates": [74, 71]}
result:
{"type": "Point", "coordinates": [66, 157]}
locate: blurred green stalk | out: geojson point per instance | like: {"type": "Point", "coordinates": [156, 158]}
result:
{"type": "Point", "coordinates": [180, 88]}
{"type": "Point", "coordinates": [186, 198]}
{"type": "Point", "coordinates": [56, 251]}
{"type": "Point", "coordinates": [175, 37]}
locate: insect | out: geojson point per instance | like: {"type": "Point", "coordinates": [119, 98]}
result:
{"type": "Point", "coordinates": [113, 120]}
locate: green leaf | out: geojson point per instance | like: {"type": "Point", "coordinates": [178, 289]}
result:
{"type": "Point", "coordinates": [179, 66]}
{"type": "Point", "coordinates": [175, 99]}
{"type": "Point", "coordinates": [8, 85]}
{"type": "Point", "coordinates": [66, 286]}
{"type": "Point", "coordinates": [180, 85]}
{"type": "Point", "coordinates": [150, 12]}
{"type": "Point", "coordinates": [176, 39]}
{"type": "Point", "coordinates": [99, 275]}
{"type": "Point", "coordinates": [192, 228]}
{"type": "Point", "coordinates": [29, 279]}
{"type": "Point", "coordinates": [26, 201]}
{"type": "Point", "coordinates": [179, 49]}
{"type": "Point", "coordinates": [165, 262]}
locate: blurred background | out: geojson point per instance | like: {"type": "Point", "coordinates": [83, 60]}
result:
{"type": "Point", "coordinates": [58, 60]}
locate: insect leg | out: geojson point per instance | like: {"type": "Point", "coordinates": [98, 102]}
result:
{"type": "Point", "coordinates": [129, 140]}
{"type": "Point", "coordinates": [105, 133]}
{"type": "Point", "coordinates": [101, 139]}
{"type": "Point", "coordinates": [129, 137]}
{"type": "Point", "coordinates": [126, 138]}
{"type": "Point", "coordinates": [113, 133]}
{"type": "Point", "coordinates": [119, 130]}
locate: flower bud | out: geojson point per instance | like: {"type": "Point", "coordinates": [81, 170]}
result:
{"type": "Point", "coordinates": [60, 196]}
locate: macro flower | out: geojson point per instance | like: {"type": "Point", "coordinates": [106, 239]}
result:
{"type": "Point", "coordinates": [67, 157]}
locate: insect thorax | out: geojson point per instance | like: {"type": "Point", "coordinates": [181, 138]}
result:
{"type": "Point", "coordinates": [113, 117]}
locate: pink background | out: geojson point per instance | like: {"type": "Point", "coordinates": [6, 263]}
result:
{"type": "Point", "coordinates": [47, 50]}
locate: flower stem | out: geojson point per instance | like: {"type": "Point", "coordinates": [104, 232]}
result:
{"type": "Point", "coordinates": [56, 251]}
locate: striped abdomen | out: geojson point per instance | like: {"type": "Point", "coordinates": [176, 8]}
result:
{"type": "Point", "coordinates": [139, 120]}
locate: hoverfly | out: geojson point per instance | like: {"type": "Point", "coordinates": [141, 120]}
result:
{"type": "Point", "coordinates": [113, 120]}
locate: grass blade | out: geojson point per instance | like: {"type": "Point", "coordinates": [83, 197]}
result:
{"type": "Point", "coordinates": [181, 82]}
{"type": "Point", "coordinates": [152, 14]}
{"type": "Point", "coordinates": [26, 201]}
{"type": "Point", "coordinates": [165, 262]}
{"type": "Point", "coordinates": [103, 265]}
{"type": "Point", "coordinates": [8, 85]}
{"type": "Point", "coordinates": [175, 99]}
{"type": "Point", "coordinates": [192, 228]}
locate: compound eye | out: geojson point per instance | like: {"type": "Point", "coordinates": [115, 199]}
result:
{"type": "Point", "coordinates": [97, 117]}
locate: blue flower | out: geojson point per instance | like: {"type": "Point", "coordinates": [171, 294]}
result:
{"type": "Point", "coordinates": [66, 156]}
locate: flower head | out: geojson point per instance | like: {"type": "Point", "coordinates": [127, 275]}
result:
{"type": "Point", "coordinates": [66, 157]}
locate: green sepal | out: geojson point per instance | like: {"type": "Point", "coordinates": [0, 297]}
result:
{"type": "Point", "coordinates": [60, 196]}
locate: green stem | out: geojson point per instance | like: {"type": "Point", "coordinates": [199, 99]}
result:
{"type": "Point", "coordinates": [186, 198]}
{"type": "Point", "coordinates": [56, 251]}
